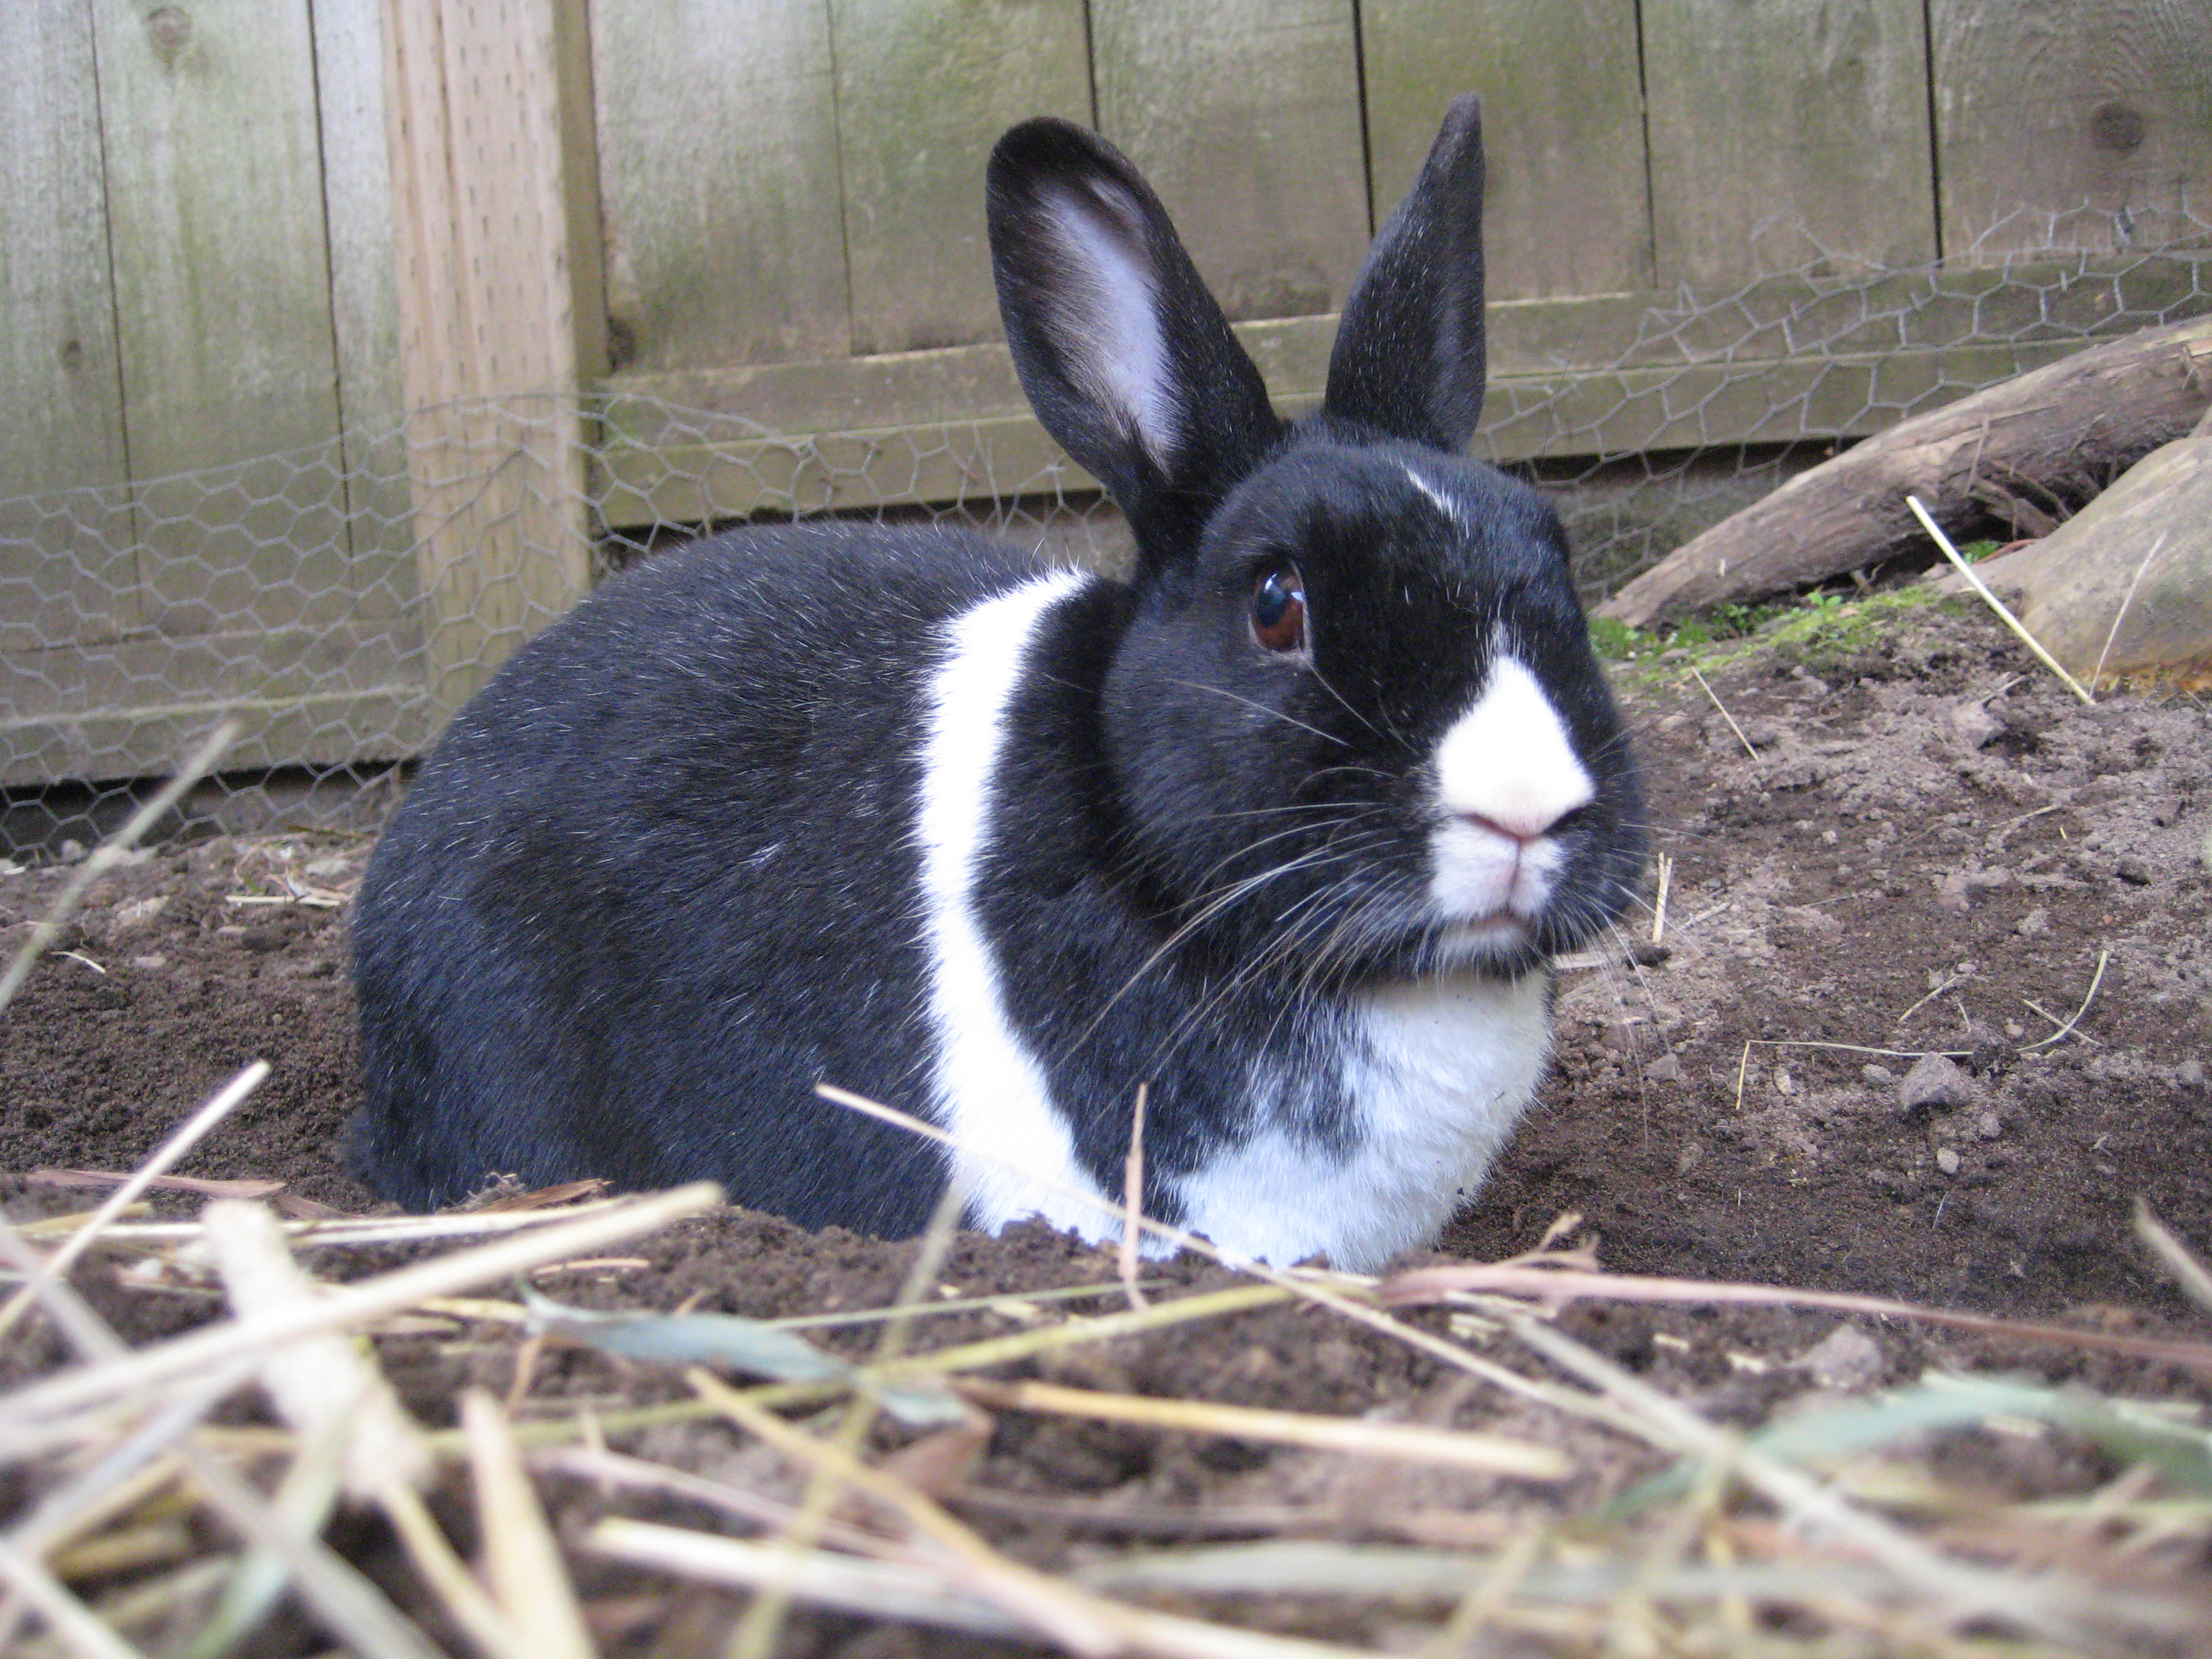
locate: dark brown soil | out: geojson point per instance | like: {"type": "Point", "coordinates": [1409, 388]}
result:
{"type": "Point", "coordinates": [1930, 838]}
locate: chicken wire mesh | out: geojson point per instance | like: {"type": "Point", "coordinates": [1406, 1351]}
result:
{"type": "Point", "coordinates": [336, 599]}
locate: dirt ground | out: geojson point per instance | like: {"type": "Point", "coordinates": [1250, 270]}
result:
{"type": "Point", "coordinates": [1898, 837]}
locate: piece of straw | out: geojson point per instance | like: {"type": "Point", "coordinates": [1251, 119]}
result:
{"type": "Point", "coordinates": [187, 1135]}
{"type": "Point", "coordinates": [305, 1498]}
{"type": "Point", "coordinates": [522, 1562]}
{"type": "Point", "coordinates": [106, 856]}
{"type": "Point", "coordinates": [354, 1610]}
{"type": "Point", "coordinates": [2095, 980]}
{"type": "Point", "coordinates": [1022, 1590]}
{"type": "Point", "coordinates": [758, 1631]}
{"type": "Point", "coordinates": [1747, 747]}
{"type": "Point", "coordinates": [2120, 616]}
{"type": "Point", "coordinates": [145, 1369]}
{"type": "Point", "coordinates": [1422, 1286]}
{"type": "Point", "coordinates": [1077, 1617]}
{"type": "Point", "coordinates": [2189, 1272]}
{"type": "Point", "coordinates": [874, 1590]}
{"type": "Point", "coordinates": [66, 1616]}
{"type": "Point", "coordinates": [1132, 1199]}
{"type": "Point", "coordinates": [317, 1382]}
{"type": "Point", "coordinates": [1406, 1442]}
{"type": "Point", "coordinates": [129, 1472]}
{"type": "Point", "coordinates": [1971, 1592]}
{"type": "Point", "coordinates": [1299, 1284]}
{"type": "Point", "coordinates": [1994, 603]}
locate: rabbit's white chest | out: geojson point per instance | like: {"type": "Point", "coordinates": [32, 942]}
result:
{"type": "Point", "coordinates": [1436, 1074]}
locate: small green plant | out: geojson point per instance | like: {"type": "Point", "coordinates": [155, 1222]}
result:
{"type": "Point", "coordinates": [1616, 641]}
{"type": "Point", "coordinates": [1821, 623]}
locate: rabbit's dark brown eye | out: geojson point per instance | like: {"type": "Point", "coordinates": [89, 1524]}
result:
{"type": "Point", "coordinates": [1279, 609]}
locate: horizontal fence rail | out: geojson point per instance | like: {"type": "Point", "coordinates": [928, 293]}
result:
{"type": "Point", "coordinates": [353, 342]}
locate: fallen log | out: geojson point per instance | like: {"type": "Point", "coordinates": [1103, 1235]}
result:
{"type": "Point", "coordinates": [2122, 591]}
{"type": "Point", "coordinates": [2022, 456]}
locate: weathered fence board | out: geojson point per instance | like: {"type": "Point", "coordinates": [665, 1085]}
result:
{"type": "Point", "coordinates": [1532, 417]}
{"type": "Point", "coordinates": [327, 693]}
{"type": "Point", "coordinates": [492, 223]}
{"type": "Point", "coordinates": [1567, 209]}
{"type": "Point", "coordinates": [198, 273]}
{"type": "Point", "coordinates": [1246, 120]}
{"type": "Point", "coordinates": [365, 310]}
{"type": "Point", "coordinates": [924, 88]}
{"type": "Point", "coordinates": [2058, 106]}
{"type": "Point", "coordinates": [1570, 378]}
{"type": "Point", "coordinates": [1786, 131]}
{"type": "Point", "coordinates": [223, 304]}
{"type": "Point", "coordinates": [718, 166]}
{"type": "Point", "coordinates": [68, 577]}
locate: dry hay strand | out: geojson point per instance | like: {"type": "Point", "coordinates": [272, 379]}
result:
{"type": "Point", "coordinates": [1829, 1532]}
{"type": "Point", "coordinates": [1700, 1570]}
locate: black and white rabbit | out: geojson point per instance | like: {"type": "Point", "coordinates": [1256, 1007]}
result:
{"type": "Point", "coordinates": [1285, 827]}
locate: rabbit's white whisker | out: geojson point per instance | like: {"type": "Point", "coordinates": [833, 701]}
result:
{"type": "Point", "coordinates": [891, 802]}
{"type": "Point", "coordinates": [1260, 708]}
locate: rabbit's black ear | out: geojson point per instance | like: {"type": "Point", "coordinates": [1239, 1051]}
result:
{"type": "Point", "coordinates": [1409, 352]}
{"type": "Point", "coordinates": [1121, 351]}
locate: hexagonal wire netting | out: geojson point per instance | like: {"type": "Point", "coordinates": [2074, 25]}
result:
{"type": "Point", "coordinates": [289, 588]}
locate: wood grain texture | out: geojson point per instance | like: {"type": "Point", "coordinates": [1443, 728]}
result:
{"type": "Point", "coordinates": [674, 467]}
{"type": "Point", "coordinates": [2122, 592]}
{"type": "Point", "coordinates": [1787, 132]}
{"type": "Point", "coordinates": [324, 695]}
{"type": "Point", "coordinates": [67, 570]}
{"type": "Point", "coordinates": [924, 90]}
{"type": "Point", "coordinates": [223, 306]}
{"type": "Point", "coordinates": [718, 159]}
{"type": "Point", "coordinates": [486, 219]}
{"type": "Point", "coordinates": [1566, 210]}
{"type": "Point", "coordinates": [1245, 116]}
{"type": "Point", "coordinates": [2069, 125]}
{"type": "Point", "coordinates": [2067, 428]}
{"type": "Point", "coordinates": [364, 305]}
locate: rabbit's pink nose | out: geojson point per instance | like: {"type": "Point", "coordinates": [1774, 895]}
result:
{"type": "Point", "coordinates": [1520, 827]}
{"type": "Point", "coordinates": [1508, 766]}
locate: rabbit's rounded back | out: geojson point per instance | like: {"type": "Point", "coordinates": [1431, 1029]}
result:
{"type": "Point", "coordinates": [1282, 829]}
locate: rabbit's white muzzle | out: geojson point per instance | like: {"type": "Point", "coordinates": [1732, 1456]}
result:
{"type": "Point", "coordinates": [1506, 772]}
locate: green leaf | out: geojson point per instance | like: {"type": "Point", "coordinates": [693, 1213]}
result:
{"type": "Point", "coordinates": [733, 1343]}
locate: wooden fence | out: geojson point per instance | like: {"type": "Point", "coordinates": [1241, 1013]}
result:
{"type": "Point", "coordinates": [234, 230]}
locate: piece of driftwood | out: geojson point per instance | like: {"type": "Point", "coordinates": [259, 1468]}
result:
{"type": "Point", "coordinates": [2018, 458]}
{"type": "Point", "coordinates": [2123, 592]}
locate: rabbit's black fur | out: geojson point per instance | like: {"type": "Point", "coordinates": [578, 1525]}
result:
{"type": "Point", "coordinates": [901, 811]}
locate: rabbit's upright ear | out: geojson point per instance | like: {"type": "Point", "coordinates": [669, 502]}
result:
{"type": "Point", "coordinates": [1121, 351]}
{"type": "Point", "coordinates": [1409, 353]}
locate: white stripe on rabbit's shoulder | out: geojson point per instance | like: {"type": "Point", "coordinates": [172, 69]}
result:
{"type": "Point", "coordinates": [990, 1091]}
{"type": "Point", "coordinates": [1118, 350]}
{"type": "Point", "coordinates": [1444, 504]}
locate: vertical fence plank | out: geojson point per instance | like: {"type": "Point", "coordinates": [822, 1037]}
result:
{"type": "Point", "coordinates": [223, 306]}
{"type": "Point", "coordinates": [365, 307]}
{"type": "Point", "coordinates": [491, 228]}
{"type": "Point", "coordinates": [718, 142]}
{"type": "Point", "coordinates": [1245, 116]}
{"type": "Point", "coordinates": [1565, 210]}
{"type": "Point", "coordinates": [1786, 131]}
{"type": "Point", "coordinates": [67, 573]}
{"type": "Point", "coordinates": [2045, 107]}
{"type": "Point", "coordinates": [924, 90]}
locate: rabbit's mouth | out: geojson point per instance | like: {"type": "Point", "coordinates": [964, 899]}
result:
{"type": "Point", "coordinates": [1483, 875]}
{"type": "Point", "coordinates": [1500, 932]}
